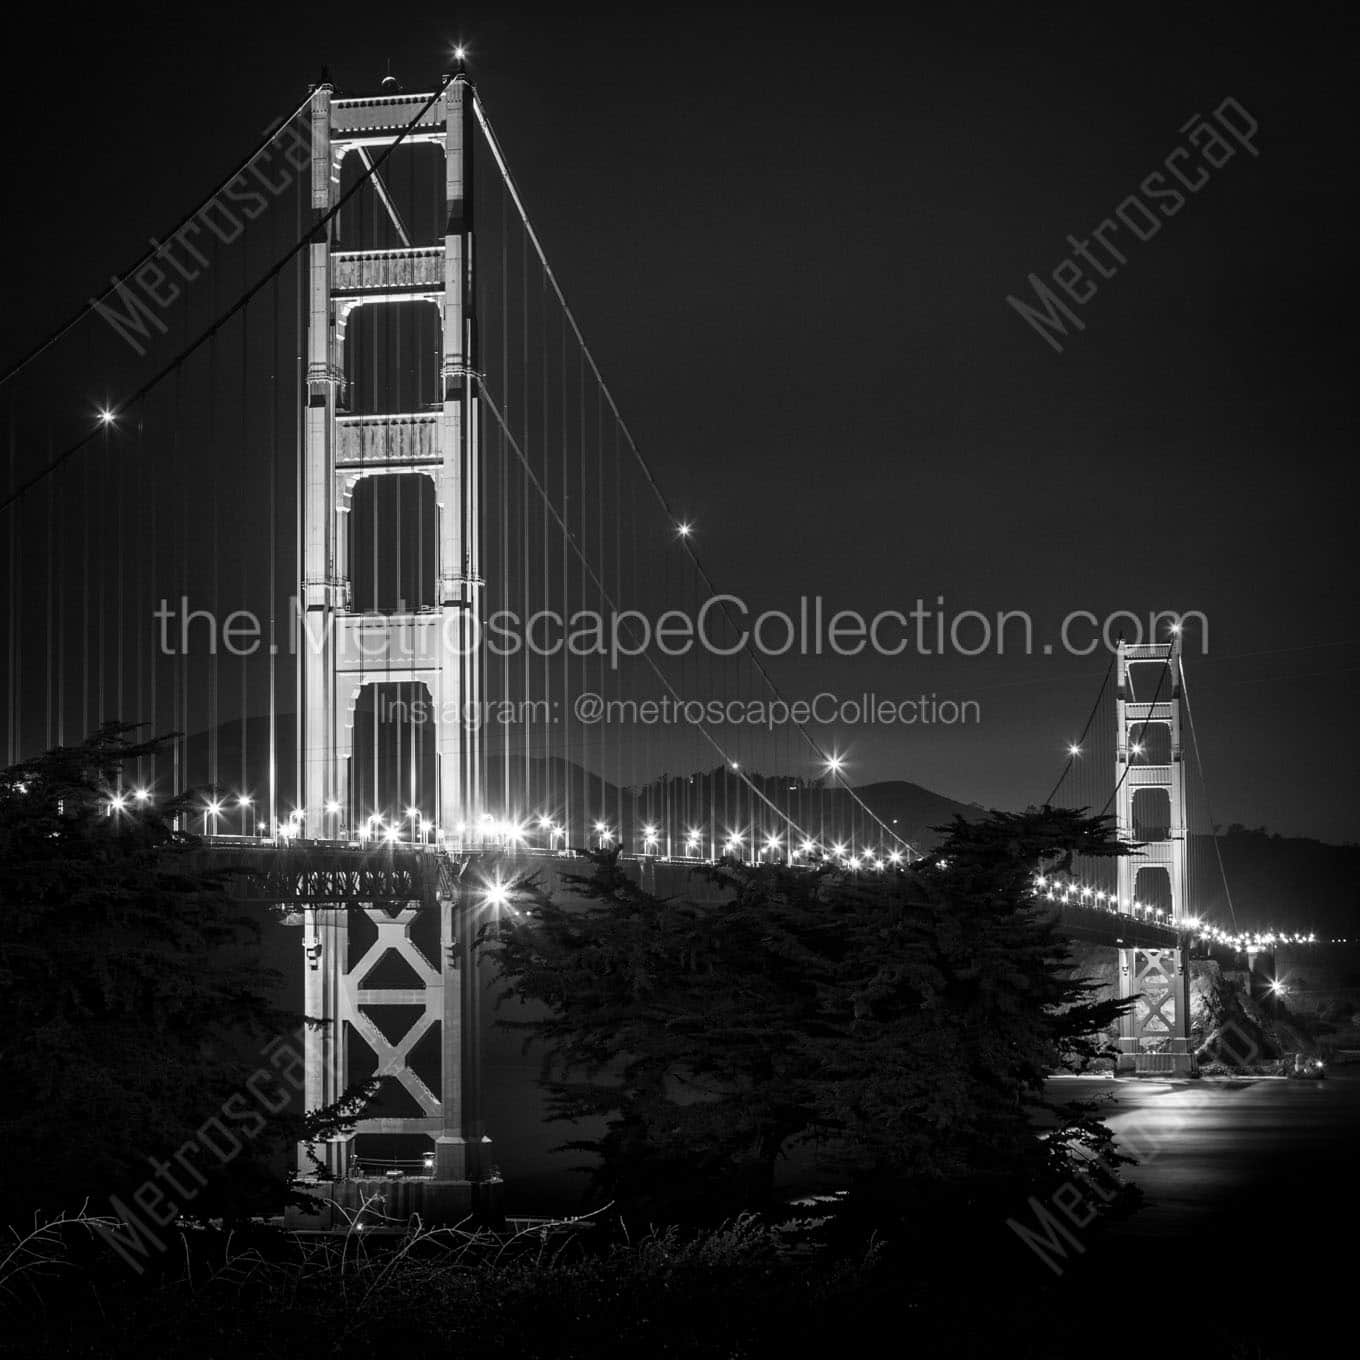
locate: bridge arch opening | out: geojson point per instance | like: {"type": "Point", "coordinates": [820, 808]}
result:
{"type": "Point", "coordinates": [393, 544]}
{"type": "Point", "coordinates": [391, 358]}
{"type": "Point", "coordinates": [393, 764]}
{"type": "Point", "coordinates": [1150, 743]}
{"type": "Point", "coordinates": [1151, 814]}
{"type": "Point", "coordinates": [1152, 888]}
{"type": "Point", "coordinates": [1150, 682]}
{"type": "Point", "coordinates": [413, 182]}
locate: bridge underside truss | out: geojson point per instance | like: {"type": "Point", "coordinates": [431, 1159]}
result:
{"type": "Point", "coordinates": [1154, 1035]}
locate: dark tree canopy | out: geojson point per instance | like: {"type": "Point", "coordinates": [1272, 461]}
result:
{"type": "Point", "coordinates": [903, 1023]}
{"type": "Point", "coordinates": [133, 1004]}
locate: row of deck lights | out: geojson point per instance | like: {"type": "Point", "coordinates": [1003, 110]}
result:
{"type": "Point", "coordinates": [1077, 894]}
{"type": "Point", "coordinates": [377, 829]}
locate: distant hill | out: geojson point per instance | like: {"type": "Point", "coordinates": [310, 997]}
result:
{"type": "Point", "coordinates": [1289, 882]}
{"type": "Point", "coordinates": [913, 812]}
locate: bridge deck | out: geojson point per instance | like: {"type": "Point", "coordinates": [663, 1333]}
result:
{"type": "Point", "coordinates": [343, 872]}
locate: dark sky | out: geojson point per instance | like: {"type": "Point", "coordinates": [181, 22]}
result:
{"type": "Point", "coordinates": [789, 237]}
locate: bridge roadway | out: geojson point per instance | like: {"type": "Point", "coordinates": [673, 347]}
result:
{"type": "Point", "coordinates": [345, 872]}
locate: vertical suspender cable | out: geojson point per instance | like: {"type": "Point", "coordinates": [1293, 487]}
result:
{"type": "Point", "coordinates": [244, 462]}
{"type": "Point", "coordinates": [272, 661]}
{"type": "Point", "coordinates": [11, 734]}
{"type": "Point", "coordinates": [51, 698]}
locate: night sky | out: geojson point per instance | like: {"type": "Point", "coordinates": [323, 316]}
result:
{"type": "Point", "coordinates": [789, 238]}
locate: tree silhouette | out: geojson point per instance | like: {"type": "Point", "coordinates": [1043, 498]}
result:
{"type": "Point", "coordinates": [134, 1009]}
{"type": "Point", "coordinates": [903, 1022]}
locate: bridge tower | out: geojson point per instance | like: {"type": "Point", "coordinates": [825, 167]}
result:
{"type": "Point", "coordinates": [413, 950]}
{"type": "Point", "coordinates": [343, 651]}
{"type": "Point", "coordinates": [1150, 810]}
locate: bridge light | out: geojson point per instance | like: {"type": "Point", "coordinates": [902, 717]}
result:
{"type": "Point", "coordinates": [1073, 749]}
{"type": "Point", "coordinates": [895, 857]}
{"type": "Point", "coordinates": [142, 796]}
{"type": "Point", "coordinates": [684, 528]}
{"type": "Point", "coordinates": [496, 893]}
{"type": "Point", "coordinates": [838, 850]}
{"type": "Point", "coordinates": [460, 53]}
{"type": "Point", "coordinates": [117, 803]}
{"type": "Point", "coordinates": [1137, 748]}
{"type": "Point", "coordinates": [834, 764]}
{"type": "Point", "coordinates": [106, 416]}
{"type": "Point", "coordinates": [735, 766]}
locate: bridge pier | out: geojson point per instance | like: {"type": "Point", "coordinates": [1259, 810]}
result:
{"type": "Point", "coordinates": [387, 937]}
{"type": "Point", "coordinates": [1154, 1035]}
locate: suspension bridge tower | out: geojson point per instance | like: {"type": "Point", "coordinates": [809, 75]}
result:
{"type": "Point", "coordinates": [1150, 810]}
{"type": "Point", "coordinates": [390, 928]}
{"type": "Point", "coordinates": [344, 651]}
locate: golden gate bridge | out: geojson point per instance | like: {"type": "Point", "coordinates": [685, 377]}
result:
{"type": "Point", "coordinates": [354, 514]}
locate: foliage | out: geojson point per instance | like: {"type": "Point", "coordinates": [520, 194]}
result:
{"type": "Point", "coordinates": [133, 1005]}
{"type": "Point", "coordinates": [903, 1023]}
{"type": "Point", "coordinates": [744, 1288]}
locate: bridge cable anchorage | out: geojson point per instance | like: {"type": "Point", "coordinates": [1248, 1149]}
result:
{"type": "Point", "coordinates": [304, 240]}
{"type": "Point", "coordinates": [118, 280]}
{"type": "Point", "coordinates": [1204, 784]}
{"type": "Point", "coordinates": [686, 540]}
{"type": "Point", "coordinates": [717, 746]}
